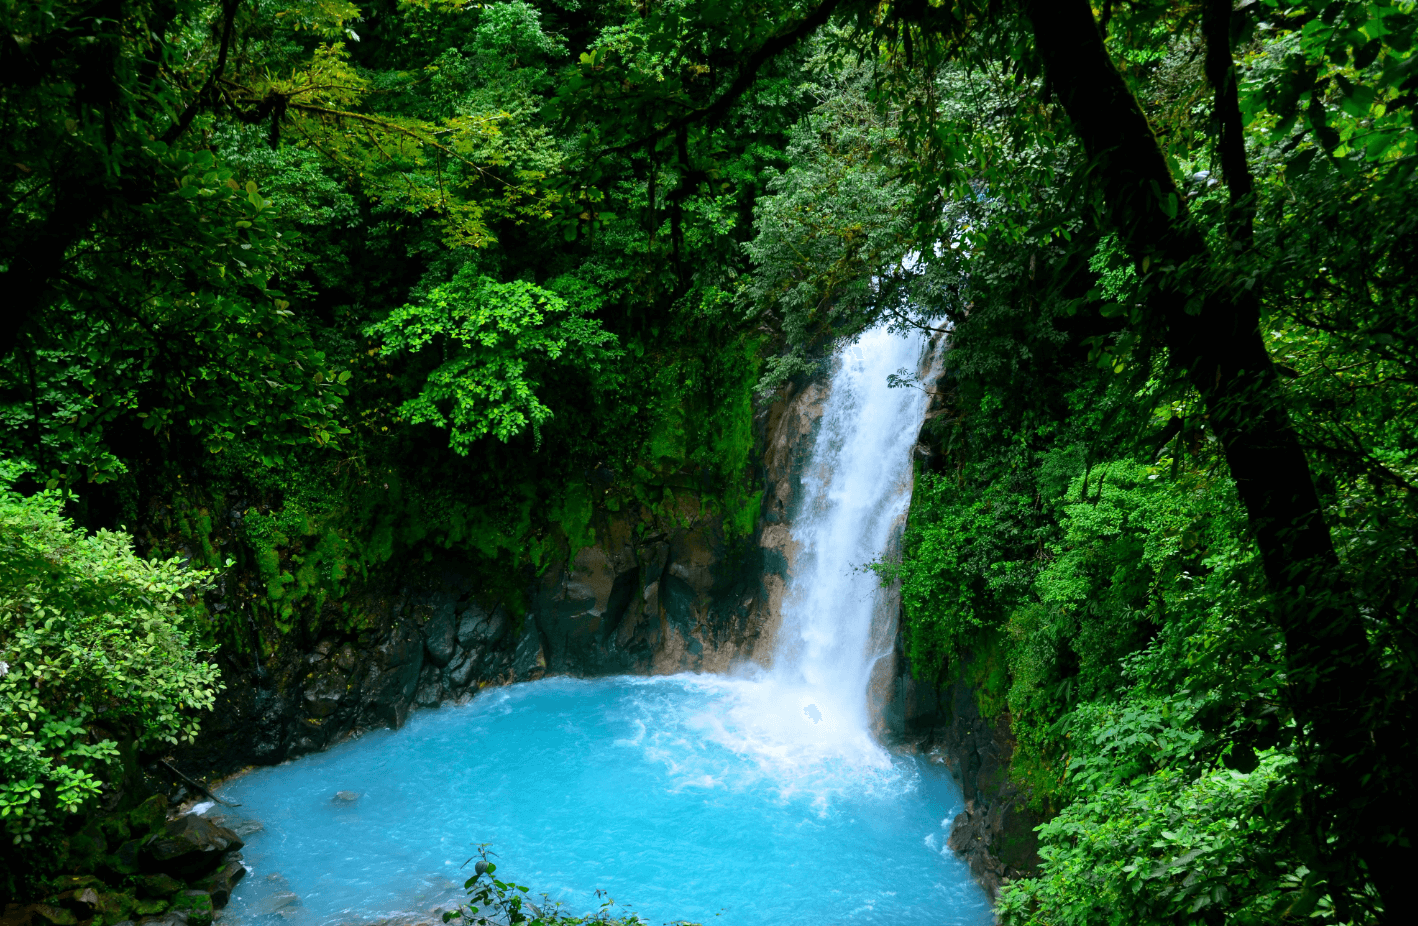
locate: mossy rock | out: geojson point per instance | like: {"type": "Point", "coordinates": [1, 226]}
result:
{"type": "Point", "coordinates": [154, 907]}
{"type": "Point", "coordinates": [125, 860]}
{"type": "Point", "coordinates": [197, 905]}
{"type": "Point", "coordinates": [159, 885]}
{"type": "Point", "coordinates": [86, 849]}
{"type": "Point", "coordinates": [115, 829]}
{"type": "Point", "coordinates": [58, 916]}
{"type": "Point", "coordinates": [115, 906]}
{"type": "Point", "coordinates": [148, 816]}
{"type": "Point", "coordinates": [77, 882]}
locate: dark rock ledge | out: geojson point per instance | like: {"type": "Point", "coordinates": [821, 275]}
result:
{"type": "Point", "coordinates": [147, 869]}
{"type": "Point", "coordinates": [995, 833]}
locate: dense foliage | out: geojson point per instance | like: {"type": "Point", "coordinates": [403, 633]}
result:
{"type": "Point", "coordinates": [323, 288]}
{"type": "Point", "coordinates": [101, 654]}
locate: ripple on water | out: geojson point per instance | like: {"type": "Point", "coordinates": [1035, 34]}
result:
{"type": "Point", "coordinates": [696, 798]}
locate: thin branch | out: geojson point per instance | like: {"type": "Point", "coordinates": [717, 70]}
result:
{"type": "Point", "coordinates": [746, 76]}
{"type": "Point", "coordinates": [229, 8]}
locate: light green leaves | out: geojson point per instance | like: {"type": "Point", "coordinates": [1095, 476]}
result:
{"type": "Point", "coordinates": [497, 342]}
{"type": "Point", "coordinates": [98, 644]}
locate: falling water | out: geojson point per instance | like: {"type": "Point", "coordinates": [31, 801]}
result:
{"type": "Point", "coordinates": [754, 798]}
{"type": "Point", "coordinates": [811, 709]}
{"type": "Point", "coordinates": [856, 490]}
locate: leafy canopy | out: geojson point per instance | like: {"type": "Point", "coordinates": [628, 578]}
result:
{"type": "Point", "coordinates": [497, 342]}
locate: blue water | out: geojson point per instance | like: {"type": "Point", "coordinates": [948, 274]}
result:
{"type": "Point", "coordinates": [698, 798]}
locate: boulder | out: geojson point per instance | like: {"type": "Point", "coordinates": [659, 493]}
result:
{"type": "Point", "coordinates": [440, 635]}
{"type": "Point", "coordinates": [244, 828]}
{"type": "Point", "coordinates": [430, 689]}
{"type": "Point", "coordinates": [127, 858]}
{"type": "Point", "coordinates": [115, 829]}
{"type": "Point", "coordinates": [170, 918]}
{"type": "Point", "coordinates": [153, 907]}
{"type": "Point", "coordinates": [220, 884]}
{"type": "Point", "coordinates": [56, 915]}
{"type": "Point", "coordinates": [148, 816]}
{"type": "Point", "coordinates": [86, 848]}
{"type": "Point", "coordinates": [460, 670]}
{"type": "Point", "coordinates": [478, 628]}
{"type": "Point", "coordinates": [197, 905]}
{"type": "Point", "coordinates": [114, 905]}
{"type": "Point", "coordinates": [81, 901]}
{"type": "Point", "coordinates": [158, 885]}
{"type": "Point", "coordinates": [189, 847]}
{"type": "Point", "coordinates": [345, 797]}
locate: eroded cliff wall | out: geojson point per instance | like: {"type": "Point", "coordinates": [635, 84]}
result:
{"type": "Point", "coordinates": [655, 593]}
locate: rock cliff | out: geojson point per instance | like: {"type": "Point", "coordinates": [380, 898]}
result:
{"type": "Point", "coordinates": [641, 599]}
{"type": "Point", "coordinates": [995, 833]}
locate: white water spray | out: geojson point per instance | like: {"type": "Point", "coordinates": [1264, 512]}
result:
{"type": "Point", "coordinates": [836, 624]}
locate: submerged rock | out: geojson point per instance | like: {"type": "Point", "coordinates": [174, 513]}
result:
{"type": "Point", "coordinates": [278, 902]}
{"type": "Point", "coordinates": [345, 797]}
{"type": "Point", "coordinates": [245, 827]}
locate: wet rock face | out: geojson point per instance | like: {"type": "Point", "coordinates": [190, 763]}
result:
{"type": "Point", "coordinates": [641, 599]}
{"type": "Point", "coordinates": [440, 635]}
{"type": "Point", "coordinates": [189, 846]}
{"type": "Point", "coordinates": [995, 833]}
{"type": "Point", "coordinates": [479, 629]}
{"type": "Point", "coordinates": [219, 884]}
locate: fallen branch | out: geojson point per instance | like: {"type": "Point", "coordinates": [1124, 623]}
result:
{"type": "Point", "coordinates": [168, 765]}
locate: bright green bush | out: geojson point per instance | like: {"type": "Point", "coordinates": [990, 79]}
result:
{"type": "Point", "coordinates": [1147, 839]}
{"type": "Point", "coordinates": [100, 652]}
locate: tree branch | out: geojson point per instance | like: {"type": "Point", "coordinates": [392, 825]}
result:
{"type": "Point", "coordinates": [1226, 111]}
{"type": "Point", "coordinates": [748, 73]}
{"type": "Point", "coordinates": [184, 119]}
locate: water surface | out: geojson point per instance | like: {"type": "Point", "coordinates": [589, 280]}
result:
{"type": "Point", "coordinates": [686, 798]}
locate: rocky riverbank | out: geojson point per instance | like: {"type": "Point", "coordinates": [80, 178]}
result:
{"type": "Point", "coordinates": [149, 866]}
{"type": "Point", "coordinates": [995, 833]}
{"type": "Point", "coordinates": [650, 595]}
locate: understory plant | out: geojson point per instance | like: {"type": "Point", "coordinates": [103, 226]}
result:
{"type": "Point", "coordinates": [494, 902]}
{"type": "Point", "coordinates": [102, 655]}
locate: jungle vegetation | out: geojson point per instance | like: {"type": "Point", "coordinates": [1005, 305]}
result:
{"type": "Point", "coordinates": [317, 288]}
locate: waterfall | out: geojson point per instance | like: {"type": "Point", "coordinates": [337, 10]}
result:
{"type": "Point", "coordinates": [760, 797]}
{"type": "Point", "coordinates": [856, 489]}
{"type": "Point", "coordinates": [837, 620]}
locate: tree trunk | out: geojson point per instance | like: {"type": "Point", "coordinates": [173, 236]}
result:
{"type": "Point", "coordinates": [1356, 752]}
